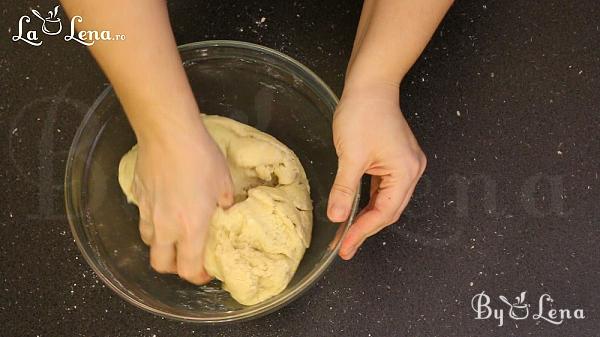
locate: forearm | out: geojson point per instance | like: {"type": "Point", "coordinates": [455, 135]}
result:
{"type": "Point", "coordinates": [390, 37]}
{"type": "Point", "coordinates": [145, 69]}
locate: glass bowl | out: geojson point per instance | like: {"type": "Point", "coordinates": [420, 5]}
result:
{"type": "Point", "coordinates": [250, 83]}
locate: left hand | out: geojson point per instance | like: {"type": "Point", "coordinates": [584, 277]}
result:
{"type": "Point", "coordinates": [371, 136]}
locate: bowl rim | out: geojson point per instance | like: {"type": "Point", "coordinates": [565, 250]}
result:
{"type": "Point", "coordinates": [304, 284]}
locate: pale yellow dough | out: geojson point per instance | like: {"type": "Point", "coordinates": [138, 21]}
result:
{"type": "Point", "coordinates": [255, 246]}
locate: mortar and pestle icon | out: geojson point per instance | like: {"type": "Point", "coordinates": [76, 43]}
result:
{"type": "Point", "coordinates": [52, 24]}
{"type": "Point", "coordinates": [518, 310]}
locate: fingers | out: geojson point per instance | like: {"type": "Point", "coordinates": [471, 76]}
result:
{"type": "Point", "coordinates": [162, 250]}
{"type": "Point", "coordinates": [390, 194]}
{"type": "Point", "coordinates": [374, 188]}
{"type": "Point", "coordinates": [163, 257]}
{"type": "Point", "coordinates": [178, 244]}
{"type": "Point", "coordinates": [380, 212]}
{"type": "Point", "coordinates": [411, 191]}
{"type": "Point", "coordinates": [190, 262]}
{"type": "Point", "coordinates": [146, 231]}
{"type": "Point", "coordinates": [190, 247]}
{"type": "Point", "coordinates": [343, 190]}
{"type": "Point", "coordinates": [185, 258]}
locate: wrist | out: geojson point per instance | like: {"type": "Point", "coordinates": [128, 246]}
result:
{"type": "Point", "coordinates": [161, 125]}
{"type": "Point", "coordinates": [366, 71]}
{"type": "Point", "coordinates": [368, 89]}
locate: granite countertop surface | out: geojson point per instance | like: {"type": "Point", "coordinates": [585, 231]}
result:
{"type": "Point", "coordinates": [505, 102]}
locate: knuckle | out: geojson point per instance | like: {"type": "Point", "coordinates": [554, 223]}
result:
{"type": "Point", "coordinates": [145, 210]}
{"type": "Point", "coordinates": [412, 167]}
{"type": "Point", "coordinates": [189, 253]}
{"type": "Point", "coordinates": [173, 224]}
{"type": "Point", "coordinates": [160, 218]}
{"type": "Point", "coordinates": [187, 227]}
{"type": "Point", "coordinates": [416, 164]}
{"type": "Point", "coordinates": [162, 233]}
{"type": "Point", "coordinates": [423, 160]}
{"type": "Point", "coordinates": [393, 219]}
{"type": "Point", "coordinates": [146, 233]}
{"type": "Point", "coordinates": [344, 189]}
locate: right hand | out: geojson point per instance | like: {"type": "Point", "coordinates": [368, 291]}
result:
{"type": "Point", "coordinates": [180, 178]}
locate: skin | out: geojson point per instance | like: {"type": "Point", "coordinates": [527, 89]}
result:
{"type": "Point", "coordinates": [390, 37]}
{"type": "Point", "coordinates": [181, 177]}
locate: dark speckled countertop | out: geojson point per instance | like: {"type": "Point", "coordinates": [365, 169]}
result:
{"type": "Point", "coordinates": [506, 104]}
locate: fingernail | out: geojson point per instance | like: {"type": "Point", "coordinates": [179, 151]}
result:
{"type": "Point", "coordinates": [338, 212]}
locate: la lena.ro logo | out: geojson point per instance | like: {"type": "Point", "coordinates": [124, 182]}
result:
{"type": "Point", "coordinates": [52, 25]}
{"type": "Point", "coordinates": [519, 310]}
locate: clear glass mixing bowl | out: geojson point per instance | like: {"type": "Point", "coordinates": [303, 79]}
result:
{"type": "Point", "coordinates": [250, 83]}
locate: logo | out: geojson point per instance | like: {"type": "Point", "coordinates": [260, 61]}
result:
{"type": "Point", "coordinates": [520, 309]}
{"type": "Point", "coordinates": [51, 25]}
{"type": "Point", "coordinates": [52, 20]}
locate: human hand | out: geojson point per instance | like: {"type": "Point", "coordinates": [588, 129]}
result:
{"type": "Point", "coordinates": [180, 177]}
{"type": "Point", "coordinates": [371, 136]}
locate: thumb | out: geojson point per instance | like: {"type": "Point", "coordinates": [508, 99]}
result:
{"type": "Point", "coordinates": [344, 189]}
